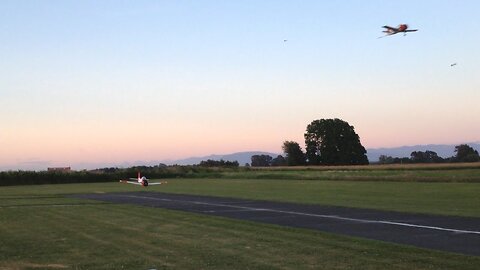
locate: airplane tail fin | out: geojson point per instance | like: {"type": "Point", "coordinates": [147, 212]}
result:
{"type": "Point", "coordinates": [139, 175]}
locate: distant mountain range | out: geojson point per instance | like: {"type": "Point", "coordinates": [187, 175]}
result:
{"type": "Point", "coordinates": [443, 150]}
{"type": "Point", "coordinates": [373, 154]}
{"type": "Point", "coordinates": [241, 157]}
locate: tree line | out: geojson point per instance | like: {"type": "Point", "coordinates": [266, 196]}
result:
{"type": "Point", "coordinates": [218, 163]}
{"type": "Point", "coordinates": [335, 142]}
{"type": "Point", "coordinates": [463, 153]}
{"type": "Point", "coordinates": [327, 142]}
{"type": "Point", "coordinates": [111, 174]}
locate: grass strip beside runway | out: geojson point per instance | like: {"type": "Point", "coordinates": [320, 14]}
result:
{"type": "Point", "coordinates": [109, 236]}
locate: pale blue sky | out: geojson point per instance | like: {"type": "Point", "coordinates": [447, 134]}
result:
{"type": "Point", "coordinates": [114, 81]}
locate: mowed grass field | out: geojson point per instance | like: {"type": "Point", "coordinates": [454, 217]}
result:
{"type": "Point", "coordinates": [40, 228]}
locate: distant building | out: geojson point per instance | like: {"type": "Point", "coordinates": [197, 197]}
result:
{"type": "Point", "coordinates": [59, 169]}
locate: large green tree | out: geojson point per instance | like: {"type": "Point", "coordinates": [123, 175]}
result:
{"type": "Point", "coordinates": [278, 161]}
{"type": "Point", "coordinates": [261, 160]}
{"type": "Point", "coordinates": [294, 154]}
{"type": "Point", "coordinates": [333, 142]}
{"type": "Point", "coordinates": [465, 153]}
{"type": "Point", "coordinates": [425, 157]}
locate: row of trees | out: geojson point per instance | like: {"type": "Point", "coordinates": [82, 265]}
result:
{"type": "Point", "coordinates": [9, 178]}
{"type": "Point", "coordinates": [218, 163]}
{"type": "Point", "coordinates": [463, 153]}
{"type": "Point", "coordinates": [327, 142]}
{"type": "Point", "coordinates": [335, 142]}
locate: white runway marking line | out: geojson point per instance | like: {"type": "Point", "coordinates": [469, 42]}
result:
{"type": "Point", "coordinates": [314, 215]}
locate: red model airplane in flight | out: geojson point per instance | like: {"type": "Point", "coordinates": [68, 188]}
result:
{"type": "Point", "coordinates": [402, 28]}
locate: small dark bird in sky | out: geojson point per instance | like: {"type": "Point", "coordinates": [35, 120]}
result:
{"type": "Point", "coordinates": [285, 40]}
{"type": "Point", "coordinates": [454, 64]}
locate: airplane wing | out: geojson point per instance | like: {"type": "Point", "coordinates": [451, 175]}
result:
{"type": "Point", "coordinates": [130, 182]}
{"type": "Point", "coordinates": [135, 179]}
{"type": "Point", "coordinates": [390, 28]}
{"type": "Point", "coordinates": [413, 30]}
{"type": "Point", "coordinates": [157, 183]}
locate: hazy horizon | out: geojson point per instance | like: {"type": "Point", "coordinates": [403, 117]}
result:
{"type": "Point", "coordinates": [443, 151]}
{"type": "Point", "coordinates": [116, 82]}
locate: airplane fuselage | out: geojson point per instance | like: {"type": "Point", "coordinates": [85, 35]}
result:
{"type": "Point", "coordinates": [141, 181]}
{"type": "Point", "coordinates": [402, 28]}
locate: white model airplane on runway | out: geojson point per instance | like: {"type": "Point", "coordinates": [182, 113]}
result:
{"type": "Point", "coordinates": [141, 181]}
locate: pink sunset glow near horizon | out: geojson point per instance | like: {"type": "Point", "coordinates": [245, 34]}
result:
{"type": "Point", "coordinates": [116, 83]}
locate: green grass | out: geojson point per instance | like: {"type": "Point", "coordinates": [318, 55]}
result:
{"type": "Point", "coordinates": [368, 173]}
{"type": "Point", "coordinates": [40, 228]}
{"type": "Point", "coordinates": [109, 236]}
{"type": "Point", "coordinates": [459, 199]}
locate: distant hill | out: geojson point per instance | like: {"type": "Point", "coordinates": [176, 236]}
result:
{"type": "Point", "coordinates": [241, 157]}
{"type": "Point", "coordinates": [373, 154]}
{"type": "Point", "coordinates": [443, 150]}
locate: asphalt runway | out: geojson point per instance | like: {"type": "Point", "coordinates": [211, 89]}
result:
{"type": "Point", "coordinates": [453, 234]}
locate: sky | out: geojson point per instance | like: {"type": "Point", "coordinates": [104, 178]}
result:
{"type": "Point", "coordinates": [100, 83]}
